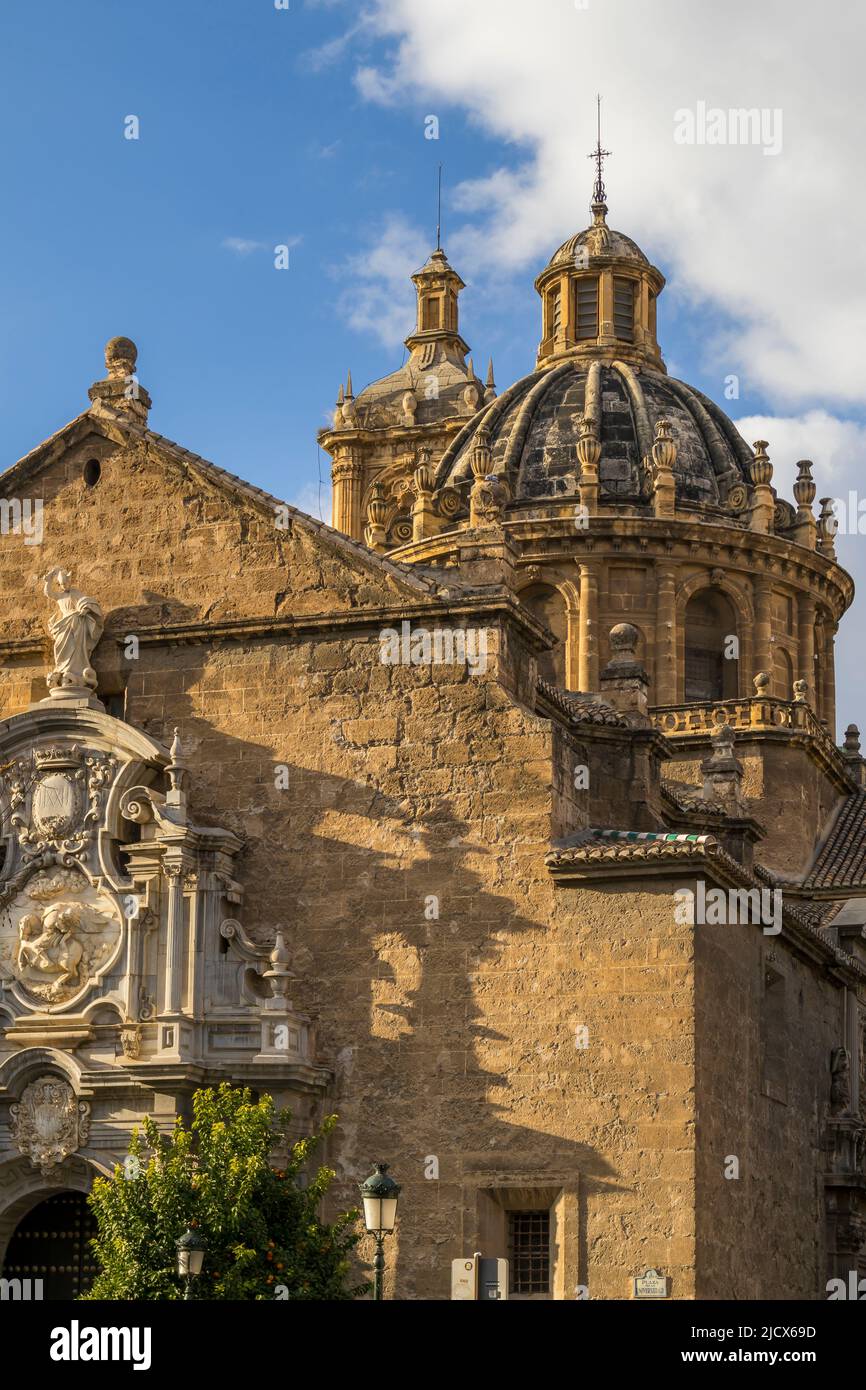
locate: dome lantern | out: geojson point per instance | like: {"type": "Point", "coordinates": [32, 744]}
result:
{"type": "Point", "coordinates": [598, 293]}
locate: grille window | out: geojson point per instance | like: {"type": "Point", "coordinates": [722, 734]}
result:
{"type": "Point", "coordinates": [704, 675]}
{"type": "Point", "coordinates": [623, 307]}
{"type": "Point", "coordinates": [554, 313]}
{"type": "Point", "coordinates": [587, 308]}
{"type": "Point", "coordinates": [431, 317]}
{"type": "Point", "coordinates": [529, 1251]}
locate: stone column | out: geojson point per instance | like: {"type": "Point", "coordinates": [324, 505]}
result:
{"type": "Point", "coordinates": [587, 651]}
{"type": "Point", "coordinates": [806, 645]}
{"type": "Point", "coordinates": [605, 307]}
{"type": "Point", "coordinates": [828, 680]}
{"type": "Point", "coordinates": [174, 943]}
{"type": "Point", "coordinates": [762, 649]}
{"type": "Point", "coordinates": [347, 476]}
{"type": "Point", "coordinates": [664, 690]}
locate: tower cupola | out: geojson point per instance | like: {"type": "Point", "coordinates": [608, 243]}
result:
{"type": "Point", "coordinates": [598, 294]}
{"type": "Point", "coordinates": [437, 286]}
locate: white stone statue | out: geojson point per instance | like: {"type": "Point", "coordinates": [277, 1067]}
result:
{"type": "Point", "coordinates": [76, 629]}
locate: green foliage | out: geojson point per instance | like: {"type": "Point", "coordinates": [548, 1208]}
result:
{"type": "Point", "coordinates": [262, 1228]}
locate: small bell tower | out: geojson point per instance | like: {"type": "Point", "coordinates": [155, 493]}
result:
{"type": "Point", "coordinates": [437, 286]}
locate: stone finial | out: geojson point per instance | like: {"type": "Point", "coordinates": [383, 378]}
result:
{"type": "Point", "coordinates": [346, 416]}
{"type": "Point", "coordinates": [374, 534]}
{"type": "Point", "coordinates": [409, 406]}
{"type": "Point", "coordinates": [624, 682]}
{"type": "Point", "coordinates": [762, 469]}
{"type": "Point", "coordinates": [722, 771]}
{"type": "Point", "coordinates": [423, 476]}
{"type": "Point", "coordinates": [120, 390]}
{"type": "Point", "coordinates": [762, 684]}
{"type": "Point", "coordinates": [828, 525]}
{"type": "Point", "coordinates": [121, 355]}
{"type": "Point", "coordinates": [763, 502]}
{"type": "Point", "coordinates": [176, 771]}
{"type": "Point", "coordinates": [481, 457]}
{"type": "Point", "coordinates": [662, 459]}
{"type": "Point", "coordinates": [424, 521]}
{"type": "Point", "coordinates": [804, 488]}
{"type": "Point", "coordinates": [852, 755]}
{"type": "Point", "coordinates": [801, 692]}
{"type": "Point", "coordinates": [490, 384]}
{"type": "Point", "coordinates": [664, 450]}
{"type": "Point", "coordinates": [279, 974]}
{"type": "Point", "coordinates": [804, 530]}
{"type": "Point", "coordinates": [623, 640]}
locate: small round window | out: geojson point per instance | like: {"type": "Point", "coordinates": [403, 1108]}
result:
{"type": "Point", "coordinates": [92, 470]}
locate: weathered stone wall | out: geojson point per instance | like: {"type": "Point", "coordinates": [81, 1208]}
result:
{"type": "Point", "coordinates": [786, 789]}
{"type": "Point", "coordinates": [404, 858]}
{"type": "Point", "coordinates": [763, 1086]}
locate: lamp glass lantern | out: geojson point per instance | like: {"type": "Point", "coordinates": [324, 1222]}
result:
{"type": "Point", "coordinates": [190, 1249]}
{"type": "Point", "coordinates": [380, 1194]}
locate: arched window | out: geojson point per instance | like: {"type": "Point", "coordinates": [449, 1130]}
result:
{"type": "Point", "coordinates": [783, 674]}
{"type": "Point", "coordinates": [711, 648]}
{"type": "Point", "coordinates": [548, 606]}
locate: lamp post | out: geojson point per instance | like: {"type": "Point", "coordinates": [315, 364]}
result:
{"type": "Point", "coordinates": [190, 1249]}
{"type": "Point", "coordinates": [379, 1194]}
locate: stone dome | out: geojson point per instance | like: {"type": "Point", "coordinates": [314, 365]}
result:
{"type": "Point", "coordinates": [588, 242]}
{"type": "Point", "coordinates": [532, 431]}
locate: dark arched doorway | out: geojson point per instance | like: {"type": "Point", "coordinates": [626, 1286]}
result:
{"type": "Point", "coordinates": [711, 648]}
{"type": "Point", "coordinates": [52, 1243]}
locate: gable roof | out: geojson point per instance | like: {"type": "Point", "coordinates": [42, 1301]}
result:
{"type": "Point", "coordinates": [119, 428]}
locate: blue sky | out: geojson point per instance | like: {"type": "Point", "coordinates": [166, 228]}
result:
{"type": "Point", "coordinates": [305, 127]}
{"type": "Point", "coordinates": [244, 137]}
{"type": "Point", "coordinates": [240, 138]}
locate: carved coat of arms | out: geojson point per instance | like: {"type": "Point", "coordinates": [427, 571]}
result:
{"type": "Point", "coordinates": [49, 1122]}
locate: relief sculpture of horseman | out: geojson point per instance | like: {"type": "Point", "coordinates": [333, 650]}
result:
{"type": "Point", "coordinates": [76, 628]}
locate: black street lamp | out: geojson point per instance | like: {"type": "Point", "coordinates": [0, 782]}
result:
{"type": "Point", "coordinates": [190, 1257]}
{"type": "Point", "coordinates": [379, 1194]}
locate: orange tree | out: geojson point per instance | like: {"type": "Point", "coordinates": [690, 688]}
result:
{"type": "Point", "coordinates": [265, 1238]}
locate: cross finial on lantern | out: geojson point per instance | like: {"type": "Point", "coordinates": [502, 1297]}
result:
{"type": "Point", "coordinates": [599, 206]}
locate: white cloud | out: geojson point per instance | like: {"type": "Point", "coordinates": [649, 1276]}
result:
{"type": "Point", "coordinates": [313, 499]}
{"type": "Point", "coordinates": [773, 243]}
{"type": "Point", "coordinates": [836, 447]}
{"type": "Point", "coordinates": [380, 300]}
{"type": "Point", "coordinates": [242, 246]}
{"type": "Point", "coordinates": [245, 246]}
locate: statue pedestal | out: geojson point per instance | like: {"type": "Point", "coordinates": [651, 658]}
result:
{"type": "Point", "coordinates": [71, 698]}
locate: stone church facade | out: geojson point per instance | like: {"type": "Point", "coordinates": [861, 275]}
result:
{"type": "Point", "coordinates": [506, 819]}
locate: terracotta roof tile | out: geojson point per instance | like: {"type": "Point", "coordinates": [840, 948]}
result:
{"type": "Point", "coordinates": [841, 860]}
